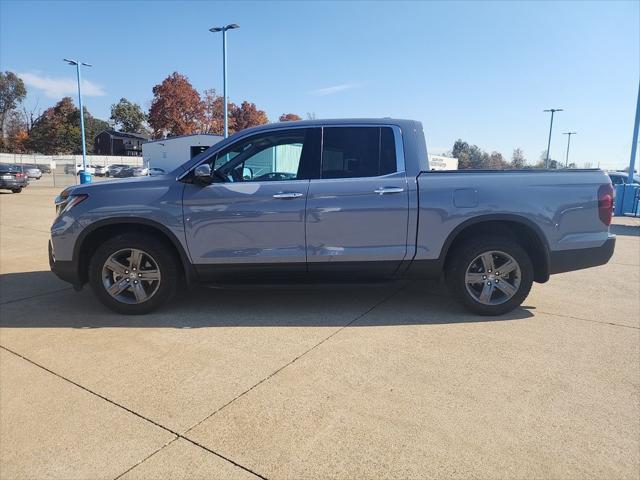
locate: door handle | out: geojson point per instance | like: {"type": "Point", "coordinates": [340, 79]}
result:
{"type": "Point", "coordinates": [387, 190]}
{"type": "Point", "coordinates": [287, 195]}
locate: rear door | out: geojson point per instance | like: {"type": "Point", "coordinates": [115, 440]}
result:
{"type": "Point", "coordinates": [357, 211]}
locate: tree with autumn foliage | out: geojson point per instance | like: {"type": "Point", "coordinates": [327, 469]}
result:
{"type": "Point", "coordinates": [289, 117]}
{"type": "Point", "coordinates": [16, 133]}
{"type": "Point", "coordinates": [176, 108]}
{"type": "Point", "coordinates": [212, 120]}
{"type": "Point", "coordinates": [247, 115]}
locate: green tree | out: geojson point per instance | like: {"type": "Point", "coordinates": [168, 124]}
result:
{"type": "Point", "coordinates": [128, 116]}
{"type": "Point", "coordinates": [496, 162]}
{"type": "Point", "coordinates": [553, 164]}
{"type": "Point", "coordinates": [517, 159]}
{"type": "Point", "coordinates": [472, 156]}
{"type": "Point", "coordinates": [12, 92]}
{"type": "Point", "coordinates": [57, 130]}
{"type": "Point", "coordinates": [461, 152]}
{"type": "Point", "coordinates": [92, 127]}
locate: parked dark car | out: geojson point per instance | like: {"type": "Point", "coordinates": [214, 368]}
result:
{"type": "Point", "coordinates": [44, 168]}
{"type": "Point", "coordinates": [112, 170]}
{"type": "Point", "coordinates": [131, 172]}
{"type": "Point", "coordinates": [12, 178]}
{"type": "Point", "coordinates": [122, 173]}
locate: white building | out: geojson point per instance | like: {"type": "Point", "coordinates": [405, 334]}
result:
{"type": "Point", "coordinates": [169, 153]}
{"type": "Point", "coordinates": [438, 162]}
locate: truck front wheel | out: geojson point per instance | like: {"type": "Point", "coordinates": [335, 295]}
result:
{"type": "Point", "coordinates": [490, 275]}
{"type": "Point", "coordinates": [133, 274]}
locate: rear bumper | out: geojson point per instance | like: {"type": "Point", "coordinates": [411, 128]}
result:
{"type": "Point", "coordinates": [66, 271]}
{"type": "Point", "coordinates": [11, 184]}
{"type": "Point", "coordinates": [568, 260]}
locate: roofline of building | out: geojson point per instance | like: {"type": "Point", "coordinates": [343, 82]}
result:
{"type": "Point", "coordinates": [184, 136]}
{"type": "Point", "coordinates": [113, 132]}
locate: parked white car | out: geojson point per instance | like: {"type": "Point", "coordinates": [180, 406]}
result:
{"type": "Point", "coordinates": [100, 171]}
{"type": "Point", "coordinates": [32, 172]}
{"type": "Point", "coordinates": [78, 168]}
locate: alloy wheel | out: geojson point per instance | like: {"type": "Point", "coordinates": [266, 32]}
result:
{"type": "Point", "coordinates": [131, 276]}
{"type": "Point", "coordinates": [493, 278]}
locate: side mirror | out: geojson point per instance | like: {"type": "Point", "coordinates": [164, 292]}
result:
{"type": "Point", "coordinates": [247, 173]}
{"type": "Point", "coordinates": [202, 173]}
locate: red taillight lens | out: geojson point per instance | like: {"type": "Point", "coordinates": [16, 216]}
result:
{"type": "Point", "coordinates": [605, 203]}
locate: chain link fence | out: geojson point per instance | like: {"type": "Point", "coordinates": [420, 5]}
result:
{"type": "Point", "coordinates": [61, 170]}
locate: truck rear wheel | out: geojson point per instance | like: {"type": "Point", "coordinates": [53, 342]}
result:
{"type": "Point", "coordinates": [490, 275]}
{"type": "Point", "coordinates": [133, 274]}
{"type": "Point", "coordinates": [17, 190]}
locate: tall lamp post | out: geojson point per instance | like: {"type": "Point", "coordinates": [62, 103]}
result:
{"type": "Point", "coordinates": [634, 142]}
{"type": "Point", "coordinates": [568, 134]}
{"type": "Point", "coordinates": [552, 110]}
{"type": "Point", "coordinates": [224, 70]}
{"type": "Point", "coordinates": [84, 176]}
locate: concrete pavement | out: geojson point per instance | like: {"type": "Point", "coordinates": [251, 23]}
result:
{"type": "Point", "coordinates": [340, 382]}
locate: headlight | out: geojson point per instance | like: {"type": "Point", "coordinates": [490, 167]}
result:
{"type": "Point", "coordinates": [65, 202]}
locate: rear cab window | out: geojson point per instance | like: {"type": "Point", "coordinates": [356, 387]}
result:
{"type": "Point", "coordinates": [358, 152]}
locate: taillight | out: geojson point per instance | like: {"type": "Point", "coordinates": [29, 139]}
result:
{"type": "Point", "coordinates": [605, 203]}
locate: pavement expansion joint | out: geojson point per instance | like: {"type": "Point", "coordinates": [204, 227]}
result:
{"type": "Point", "coordinates": [133, 412]}
{"type": "Point", "coordinates": [147, 457]}
{"type": "Point", "coordinates": [35, 296]}
{"type": "Point", "coordinates": [275, 372]}
{"type": "Point", "coordinates": [588, 320]}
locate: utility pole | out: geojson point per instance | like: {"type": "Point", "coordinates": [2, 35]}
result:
{"type": "Point", "coordinates": [552, 110]}
{"type": "Point", "coordinates": [568, 134]}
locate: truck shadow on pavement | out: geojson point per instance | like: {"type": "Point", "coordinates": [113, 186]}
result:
{"type": "Point", "coordinates": [44, 302]}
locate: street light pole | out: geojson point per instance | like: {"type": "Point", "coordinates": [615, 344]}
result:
{"type": "Point", "coordinates": [568, 134]}
{"type": "Point", "coordinates": [634, 143]}
{"type": "Point", "coordinates": [224, 71]}
{"type": "Point", "coordinates": [84, 176]}
{"type": "Point", "coordinates": [552, 110]}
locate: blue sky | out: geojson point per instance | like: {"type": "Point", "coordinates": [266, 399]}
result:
{"type": "Point", "coordinates": [481, 71]}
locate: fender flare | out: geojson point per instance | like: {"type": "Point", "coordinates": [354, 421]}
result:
{"type": "Point", "coordinates": [504, 217]}
{"type": "Point", "coordinates": [182, 253]}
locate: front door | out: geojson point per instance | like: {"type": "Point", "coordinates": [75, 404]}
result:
{"type": "Point", "coordinates": [357, 211]}
{"type": "Point", "coordinates": [251, 220]}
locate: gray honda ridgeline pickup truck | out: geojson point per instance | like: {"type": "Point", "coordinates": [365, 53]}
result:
{"type": "Point", "coordinates": [330, 200]}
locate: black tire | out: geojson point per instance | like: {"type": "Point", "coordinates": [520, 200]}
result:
{"type": "Point", "coordinates": [16, 190]}
{"type": "Point", "coordinates": [462, 258]}
{"type": "Point", "coordinates": [161, 253]}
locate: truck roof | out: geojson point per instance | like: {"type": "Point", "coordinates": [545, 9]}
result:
{"type": "Point", "coordinates": [333, 121]}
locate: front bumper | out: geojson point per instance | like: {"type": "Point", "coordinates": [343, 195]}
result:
{"type": "Point", "coordinates": [568, 260]}
{"type": "Point", "coordinates": [64, 270]}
